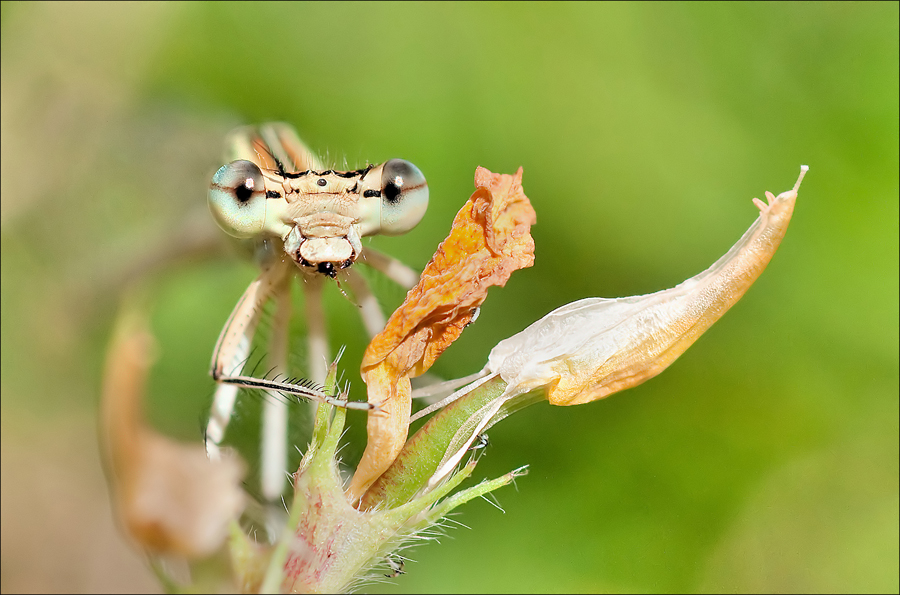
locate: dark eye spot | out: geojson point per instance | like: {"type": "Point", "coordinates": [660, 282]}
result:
{"type": "Point", "coordinates": [390, 192]}
{"type": "Point", "coordinates": [244, 191]}
{"type": "Point", "coordinates": [321, 182]}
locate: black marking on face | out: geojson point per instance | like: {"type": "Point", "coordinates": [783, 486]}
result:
{"type": "Point", "coordinates": [364, 171]}
{"type": "Point", "coordinates": [272, 194]}
{"type": "Point", "coordinates": [328, 172]}
{"type": "Point", "coordinates": [327, 268]}
{"type": "Point", "coordinates": [371, 193]}
{"type": "Point", "coordinates": [353, 190]}
{"type": "Point", "coordinates": [347, 174]}
{"type": "Point", "coordinates": [261, 143]}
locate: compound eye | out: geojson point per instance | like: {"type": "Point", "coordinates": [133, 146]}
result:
{"type": "Point", "coordinates": [237, 199]}
{"type": "Point", "coordinates": [404, 196]}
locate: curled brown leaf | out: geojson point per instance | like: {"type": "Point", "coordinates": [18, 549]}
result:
{"type": "Point", "coordinates": [490, 238]}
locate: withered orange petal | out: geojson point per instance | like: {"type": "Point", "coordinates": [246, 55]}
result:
{"type": "Point", "coordinates": [490, 238]}
{"type": "Point", "coordinates": [386, 429]}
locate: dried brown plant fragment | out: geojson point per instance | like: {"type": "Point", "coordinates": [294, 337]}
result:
{"type": "Point", "coordinates": [170, 498]}
{"type": "Point", "coordinates": [490, 238]}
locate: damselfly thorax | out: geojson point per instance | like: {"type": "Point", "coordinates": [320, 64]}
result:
{"type": "Point", "coordinates": [306, 219]}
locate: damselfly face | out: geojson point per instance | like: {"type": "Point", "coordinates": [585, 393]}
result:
{"type": "Point", "coordinates": [275, 188]}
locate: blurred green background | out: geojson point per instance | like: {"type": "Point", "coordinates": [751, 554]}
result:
{"type": "Point", "coordinates": [765, 459]}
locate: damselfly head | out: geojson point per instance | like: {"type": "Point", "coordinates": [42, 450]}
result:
{"type": "Point", "coordinates": [320, 216]}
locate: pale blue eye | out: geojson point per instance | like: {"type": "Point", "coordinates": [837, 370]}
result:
{"type": "Point", "coordinates": [237, 198]}
{"type": "Point", "coordinates": [404, 196]}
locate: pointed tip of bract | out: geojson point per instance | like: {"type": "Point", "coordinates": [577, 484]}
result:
{"type": "Point", "coordinates": [803, 170]}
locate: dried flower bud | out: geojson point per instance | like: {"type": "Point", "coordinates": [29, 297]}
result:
{"type": "Point", "coordinates": [595, 347]}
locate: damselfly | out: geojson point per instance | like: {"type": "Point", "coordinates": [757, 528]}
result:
{"type": "Point", "coordinates": [302, 220]}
